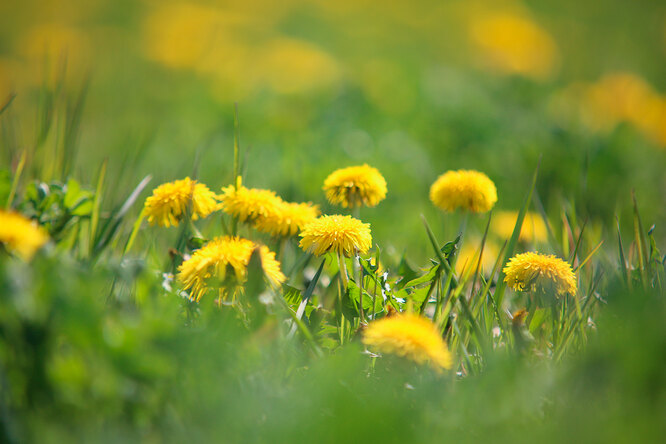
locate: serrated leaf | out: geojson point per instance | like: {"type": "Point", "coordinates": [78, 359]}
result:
{"type": "Point", "coordinates": [291, 295]}
{"type": "Point", "coordinates": [351, 301]}
{"type": "Point", "coordinates": [426, 278]}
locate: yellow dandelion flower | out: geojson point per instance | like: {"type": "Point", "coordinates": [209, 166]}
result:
{"type": "Point", "coordinates": [222, 254]}
{"type": "Point", "coordinates": [287, 219]}
{"type": "Point", "coordinates": [342, 234]}
{"type": "Point", "coordinates": [466, 189]}
{"type": "Point", "coordinates": [249, 203]}
{"type": "Point", "coordinates": [169, 202]}
{"type": "Point", "coordinates": [540, 272]}
{"type": "Point", "coordinates": [20, 235]}
{"type": "Point", "coordinates": [355, 186]}
{"type": "Point", "coordinates": [411, 336]}
{"type": "Point", "coordinates": [533, 229]}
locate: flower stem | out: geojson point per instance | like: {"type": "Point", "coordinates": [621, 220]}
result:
{"type": "Point", "coordinates": [344, 281]}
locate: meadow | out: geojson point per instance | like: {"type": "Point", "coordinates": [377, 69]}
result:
{"type": "Point", "coordinates": [332, 221]}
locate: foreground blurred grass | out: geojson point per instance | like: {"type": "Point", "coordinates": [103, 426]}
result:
{"type": "Point", "coordinates": [76, 366]}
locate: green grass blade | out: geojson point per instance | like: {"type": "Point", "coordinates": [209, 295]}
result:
{"type": "Point", "coordinates": [97, 200]}
{"type": "Point", "coordinates": [8, 103]}
{"type": "Point", "coordinates": [15, 181]}
{"type": "Point", "coordinates": [501, 285]}
{"type": "Point", "coordinates": [588, 257]}
{"type": "Point", "coordinates": [623, 260]}
{"type": "Point", "coordinates": [641, 243]}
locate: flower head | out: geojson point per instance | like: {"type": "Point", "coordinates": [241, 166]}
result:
{"type": "Point", "coordinates": [533, 229]}
{"type": "Point", "coordinates": [545, 273]}
{"type": "Point", "coordinates": [222, 255]}
{"type": "Point", "coordinates": [466, 189]}
{"type": "Point", "coordinates": [20, 235]}
{"type": "Point", "coordinates": [287, 218]}
{"type": "Point", "coordinates": [342, 234]}
{"type": "Point", "coordinates": [355, 186]}
{"type": "Point", "coordinates": [249, 203]}
{"type": "Point", "coordinates": [410, 336]}
{"type": "Point", "coordinates": [169, 202]}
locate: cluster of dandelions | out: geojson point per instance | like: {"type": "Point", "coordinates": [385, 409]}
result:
{"type": "Point", "coordinates": [222, 263]}
{"type": "Point", "coordinates": [266, 211]}
{"type": "Point", "coordinates": [225, 259]}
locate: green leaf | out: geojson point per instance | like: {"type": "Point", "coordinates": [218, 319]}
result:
{"type": "Point", "coordinates": [255, 284]}
{"type": "Point", "coordinates": [195, 242]}
{"type": "Point", "coordinates": [425, 279]}
{"type": "Point", "coordinates": [73, 193]}
{"type": "Point", "coordinates": [537, 319]}
{"type": "Point", "coordinates": [406, 271]}
{"type": "Point", "coordinates": [291, 295]}
{"type": "Point", "coordinates": [5, 186]}
{"type": "Point", "coordinates": [351, 301]}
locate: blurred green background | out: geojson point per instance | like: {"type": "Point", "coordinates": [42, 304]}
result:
{"type": "Point", "coordinates": [412, 87]}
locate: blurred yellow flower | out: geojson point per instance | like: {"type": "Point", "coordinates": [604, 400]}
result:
{"type": "Point", "coordinates": [540, 272]}
{"type": "Point", "coordinates": [287, 218]}
{"type": "Point", "coordinates": [618, 97]}
{"type": "Point", "coordinates": [291, 66]}
{"type": "Point", "coordinates": [236, 49]}
{"type": "Point", "coordinates": [467, 189]}
{"type": "Point", "coordinates": [468, 256]}
{"type": "Point", "coordinates": [249, 204]}
{"type": "Point", "coordinates": [212, 261]}
{"type": "Point", "coordinates": [20, 235]}
{"type": "Point", "coordinates": [170, 201]}
{"type": "Point", "coordinates": [185, 35]}
{"type": "Point", "coordinates": [342, 234]}
{"type": "Point", "coordinates": [411, 336]}
{"type": "Point", "coordinates": [355, 186]}
{"type": "Point", "coordinates": [533, 229]}
{"type": "Point", "coordinates": [514, 44]}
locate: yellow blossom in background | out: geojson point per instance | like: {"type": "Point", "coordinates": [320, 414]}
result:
{"type": "Point", "coordinates": [170, 201]}
{"type": "Point", "coordinates": [341, 234]}
{"type": "Point", "coordinates": [20, 235]}
{"type": "Point", "coordinates": [468, 256]}
{"type": "Point", "coordinates": [615, 98]}
{"type": "Point", "coordinates": [236, 49]}
{"type": "Point", "coordinates": [291, 66]}
{"type": "Point", "coordinates": [287, 218]}
{"type": "Point", "coordinates": [411, 336]}
{"type": "Point", "coordinates": [355, 186]}
{"type": "Point", "coordinates": [466, 189]}
{"type": "Point", "coordinates": [249, 204]}
{"type": "Point", "coordinates": [532, 230]}
{"type": "Point", "coordinates": [539, 272]}
{"type": "Point", "coordinates": [619, 97]}
{"type": "Point", "coordinates": [207, 28]}
{"type": "Point", "coordinates": [222, 255]}
{"type": "Point", "coordinates": [514, 44]}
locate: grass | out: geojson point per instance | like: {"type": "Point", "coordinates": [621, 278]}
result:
{"type": "Point", "coordinates": [99, 342]}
